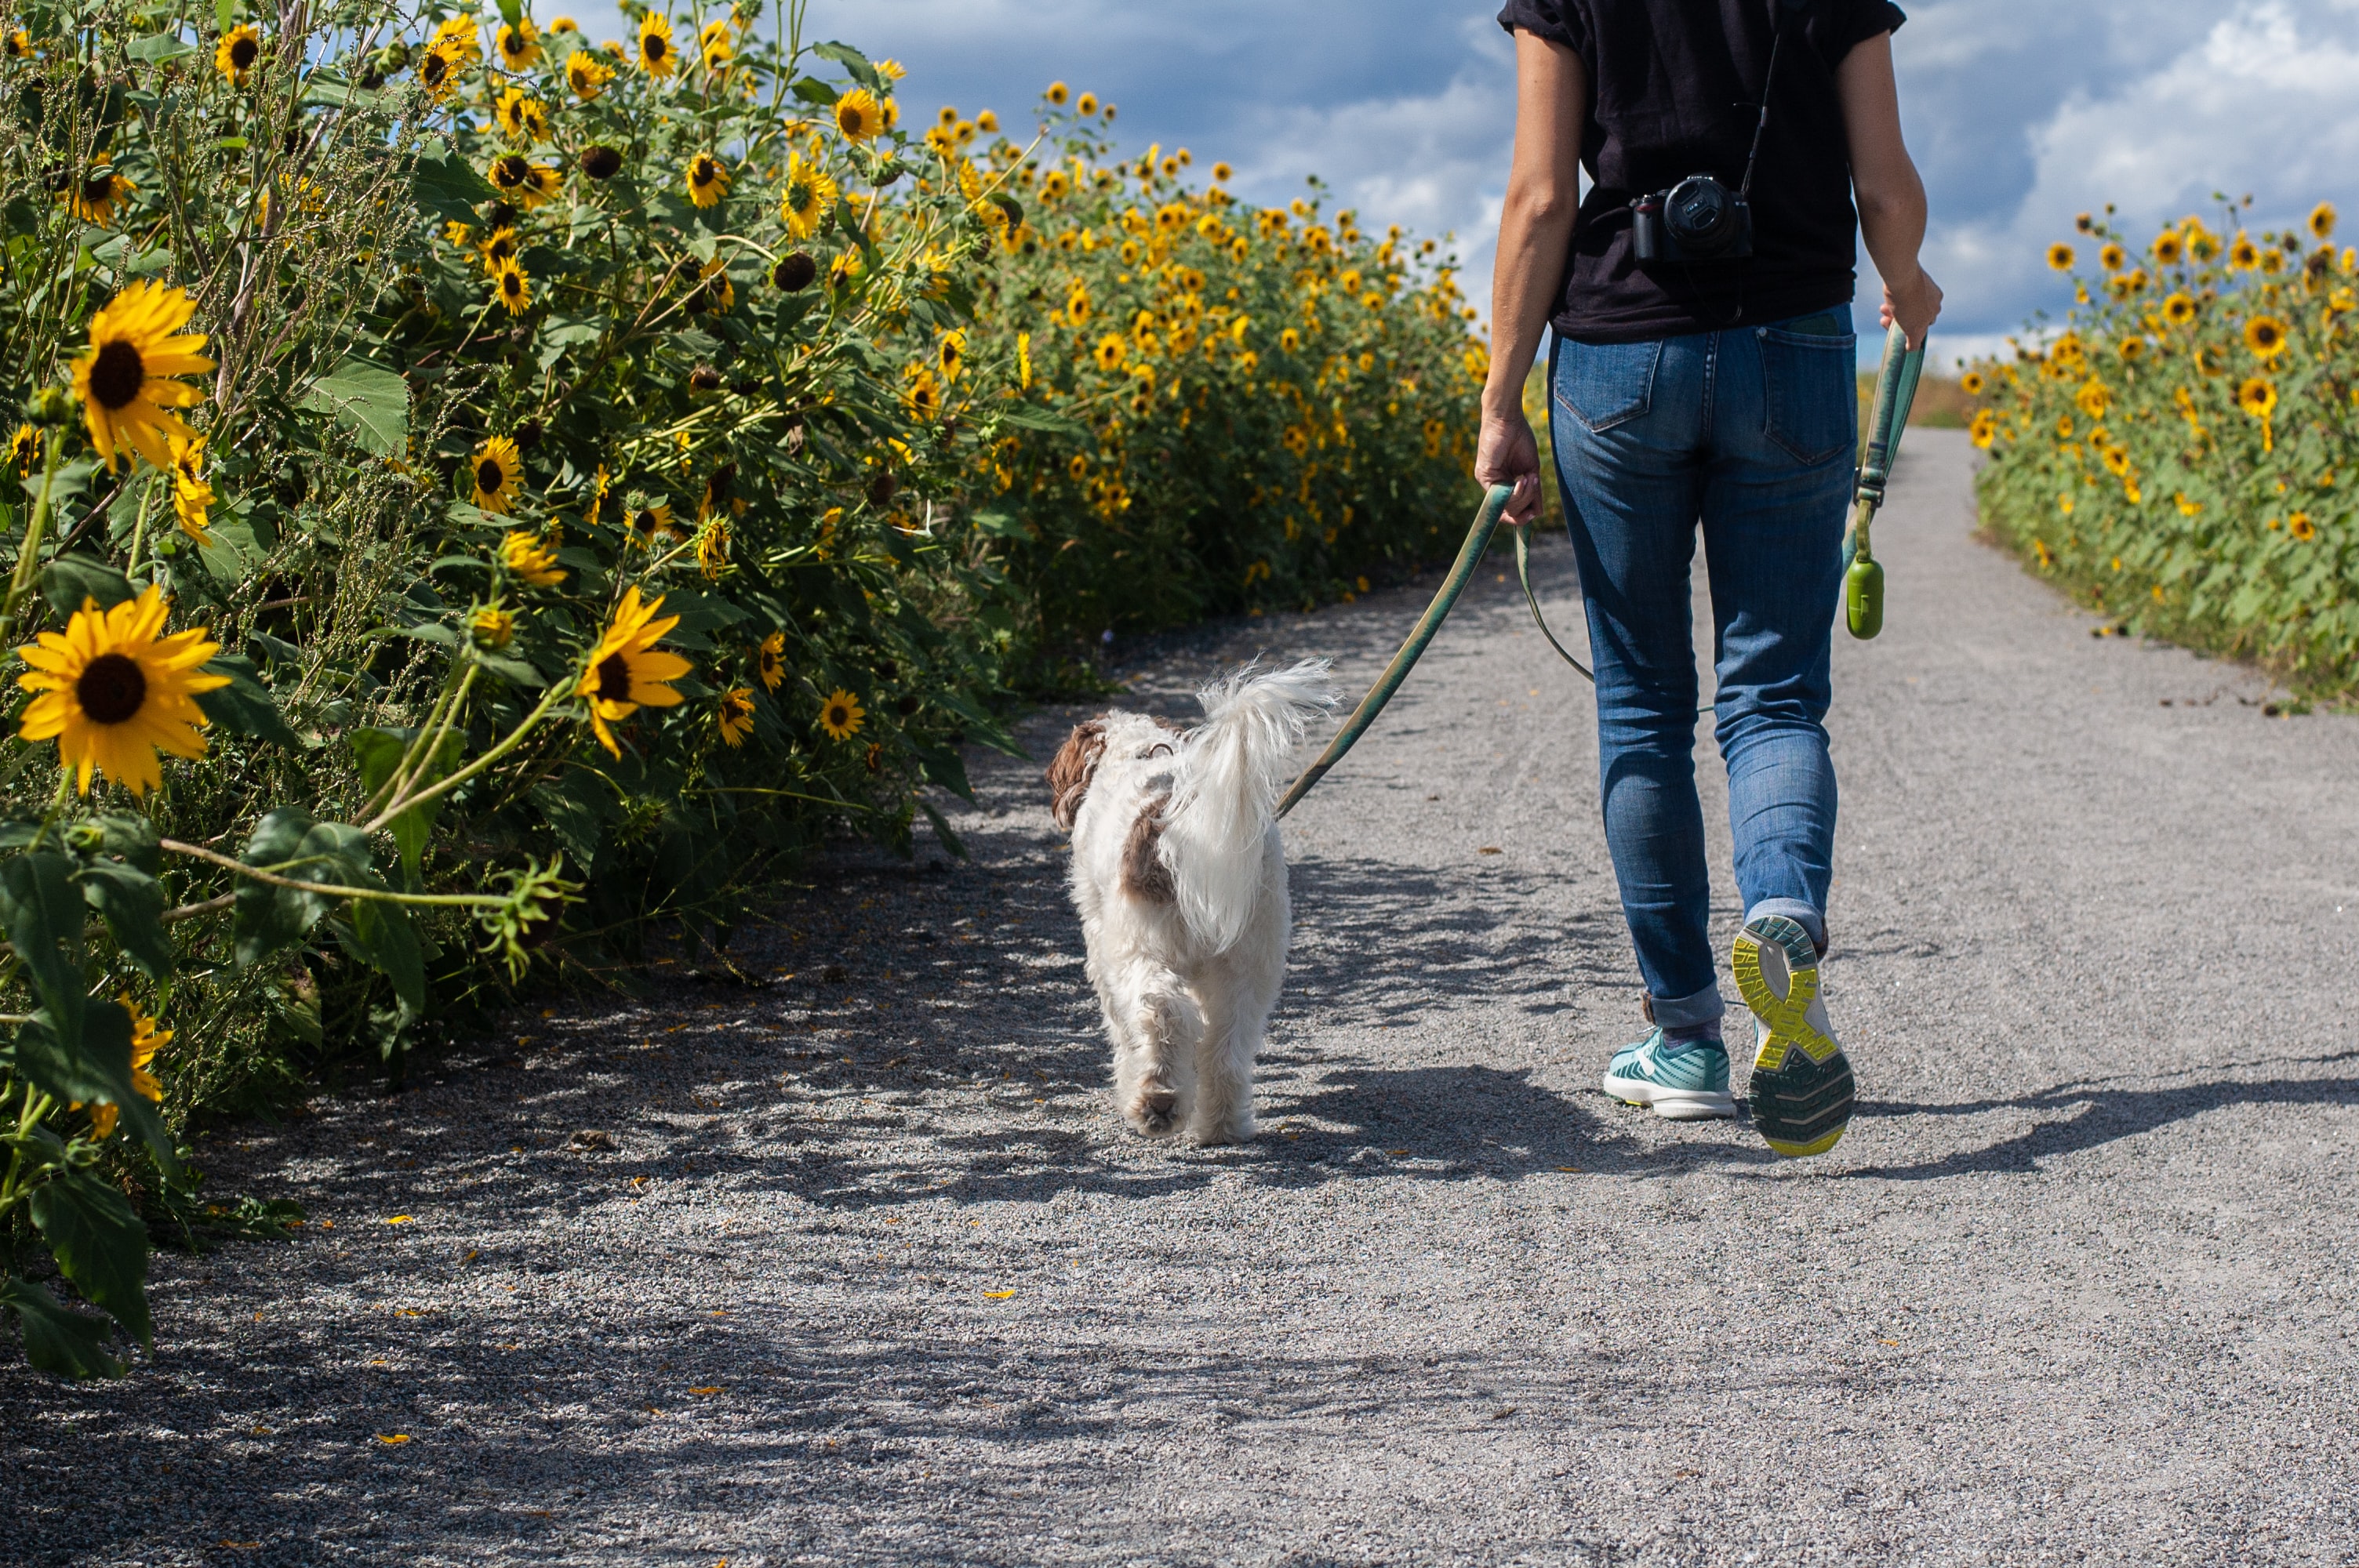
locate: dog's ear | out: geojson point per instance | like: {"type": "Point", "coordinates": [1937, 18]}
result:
{"type": "Point", "coordinates": [1068, 774]}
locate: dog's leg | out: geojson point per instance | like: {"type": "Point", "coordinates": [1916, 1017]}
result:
{"type": "Point", "coordinates": [1239, 989]}
{"type": "Point", "coordinates": [1156, 1025]}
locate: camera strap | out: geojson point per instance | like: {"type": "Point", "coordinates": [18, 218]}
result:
{"type": "Point", "coordinates": [1778, 12]}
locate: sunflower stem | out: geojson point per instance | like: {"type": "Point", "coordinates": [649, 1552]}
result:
{"type": "Point", "coordinates": [328, 890]}
{"type": "Point", "coordinates": [139, 529]}
{"type": "Point", "coordinates": [557, 691]}
{"type": "Point", "coordinates": [29, 558]}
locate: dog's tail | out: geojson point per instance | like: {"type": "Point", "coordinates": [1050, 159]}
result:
{"type": "Point", "coordinates": [1229, 775]}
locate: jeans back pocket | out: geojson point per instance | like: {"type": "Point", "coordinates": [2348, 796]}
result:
{"type": "Point", "coordinates": [1810, 392]}
{"type": "Point", "coordinates": [1606, 385]}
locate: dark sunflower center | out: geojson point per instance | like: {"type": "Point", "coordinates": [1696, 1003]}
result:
{"type": "Point", "coordinates": [656, 46]}
{"type": "Point", "coordinates": [243, 52]}
{"type": "Point", "coordinates": [512, 170]}
{"type": "Point", "coordinates": [615, 679]}
{"type": "Point", "coordinates": [487, 477]}
{"type": "Point", "coordinates": [706, 171]}
{"type": "Point", "coordinates": [435, 69]}
{"type": "Point", "coordinates": [601, 162]}
{"type": "Point", "coordinates": [98, 188]}
{"type": "Point", "coordinates": [511, 283]}
{"type": "Point", "coordinates": [117, 374]}
{"type": "Point", "coordinates": [837, 716]}
{"type": "Point", "coordinates": [110, 689]}
{"type": "Point", "coordinates": [649, 522]}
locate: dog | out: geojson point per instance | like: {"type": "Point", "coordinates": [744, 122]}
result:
{"type": "Point", "coordinates": [1179, 878]}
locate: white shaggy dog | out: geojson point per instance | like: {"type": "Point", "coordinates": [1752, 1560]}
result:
{"type": "Point", "coordinates": [1179, 877]}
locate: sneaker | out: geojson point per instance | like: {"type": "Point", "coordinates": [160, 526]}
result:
{"type": "Point", "coordinates": [1802, 1091]}
{"type": "Point", "coordinates": [1682, 1083]}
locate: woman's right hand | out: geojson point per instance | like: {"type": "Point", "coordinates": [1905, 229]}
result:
{"type": "Point", "coordinates": [1507, 453]}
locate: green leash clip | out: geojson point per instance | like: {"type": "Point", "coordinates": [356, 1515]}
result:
{"type": "Point", "coordinates": [1895, 389]}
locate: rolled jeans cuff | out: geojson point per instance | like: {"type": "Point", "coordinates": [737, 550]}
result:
{"type": "Point", "coordinates": [1695, 1011]}
{"type": "Point", "coordinates": [1795, 910]}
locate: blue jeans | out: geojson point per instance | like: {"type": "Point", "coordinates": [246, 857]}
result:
{"type": "Point", "coordinates": [1752, 431]}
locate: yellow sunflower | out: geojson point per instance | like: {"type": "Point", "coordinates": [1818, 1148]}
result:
{"type": "Point", "coordinates": [652, 526]}
{"type": "Point", "coordinates": [1086, 105]}
{"type": "Point", "coordinates": [1057, 95]}
{"type": "Point", "coordinates": [2266, 336]}
{"type": "Point", "coordinates": [708, 179]}
{"type": "Point", "coordinates": [94, 196]}
{"type": "Point", "coordinates": [2242, 254]}
{"type": "Point", "coordinates": [736, 715]}
{"type": "Point", "coordinates": [860, 117]}
{"type": "Point", "coordinates": [492, 626]}
{"type": "Point", "coordinates": [626, 672]}
{"type": "Point", "coordinates": [2178, 309]}
{"type": "Point", "coordinates": [2169, 247]}
{"type": "Point", "coordinates": [18, 44]}
{"type": "Point", "coordinates": [717, 44]}
{"type": "Point", "coordinates": [841, 715]}
{"type": "Point", "coordinates": [438, 71]}
{"type": "Point", "coordinates": [922, 396]}
{"type": "Point", "coordinates": [2322, 221]}
{"type": "Point", "coordinates": [513, 289]}
{"type": "Point", "coordinates": [146, 1040]}
{"type": "Point", "coordinates": [2258, 397]}
{"type": "Point", "coordinates": [522, 117]}
{"type": "Point", "coordinates": [586, 75]}
{"type": "Point", "coordinates": [498, 248]}
{"type": "Point", "coordinates": [112, 692]}
{"type": "Point", "coordinates": [520, 46]}
{"type": "Point", "coordinates": [1110, 352]}
{"type": "Point", "coordinates": [496, 468]}
{"type": "Point", "coordinates": [530, 560]}
{"type": "Point", "coordinates": [2132, 350]}
{"type": "Point", "coordinates": [2301, 528]}
{"type": "Point", "coordinates": [2111, 257]}
{"type": "Point", "coordinates": [24, 450]}
{"type": "Point", "coordinates": [459, 36]}
{"type": "Point", "coordinates": [563, 25]}
{"type": "Point", "coordinates": [237, 53]}
{"type": "Point", "coordinates": [190, 494]}
{"type": "Point", "coordinates": [123, 378]}
{"type": "Point", "coordinates": [810, 197]}
{"type": "Point", "coordinates": [770, 660]}
{"type": "Point", "coordinates": [713, 548]}
{"type": "Point", "coordinates": [521, 181]}
{"type": "Point", "coordinates": [656, 56]}
{"type": "Point", "coordinates": [1983, 429]}
{"type": "Point", "coordinates": [1971, 383]}
{"type": "Point", "coordinates": [950, 355]}
{"type": "Point", "coordinates": [2203, 244]}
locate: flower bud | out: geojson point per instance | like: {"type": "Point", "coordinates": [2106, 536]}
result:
{"type": "Point", "coordinates": [601, 162]}
{"type": "Point", "coordinates": [704, 378]}
{"type": "Point", "coordinates": [50, 406]}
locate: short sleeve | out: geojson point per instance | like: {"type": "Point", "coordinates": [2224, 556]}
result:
{"type": "Point", "coordinates": [1555, 20]}
{"type": "Point", "coordinates": [1848, 23]}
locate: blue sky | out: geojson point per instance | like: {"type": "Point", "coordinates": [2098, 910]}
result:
{"type": "Point", "coordinates": [2021, 112]}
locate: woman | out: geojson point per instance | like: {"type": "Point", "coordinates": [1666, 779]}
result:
{"type": "Point", "coordinates": [1702, 373]}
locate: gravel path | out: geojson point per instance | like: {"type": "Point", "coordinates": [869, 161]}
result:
{"type": "Point", "coordinates": [858, 1268]}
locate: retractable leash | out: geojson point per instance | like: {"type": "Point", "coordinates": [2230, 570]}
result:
{"type": "Point", "coordinates": [1896, 388]}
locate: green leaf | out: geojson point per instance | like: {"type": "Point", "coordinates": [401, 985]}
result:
{"type": "Point", "coordinates": [852, 60]}
{"type": "Point", "coordinates": [132, 903]}
{"type": "Point", "coordinates": [267, 918]}
{"type": "Point", "coordinates": [69, 1344]}
{"type": "Point", "coordinates": [512, 12]}
{"type": "Point", "coordinates": [92, 1062]}
{"type": "Point", "coordinates": [69, 581]}
{"type": "Point", "coordinates": [383, 938]}
{"type": "Point", "coordinates": [1042, 420]}
{"type": "Point", "coordinates": [369, 399]}
{"type": "Point", "coordinates": [447, 185]}
{"type": "Point", "coordinates": [998, 526]}
{"type": "Point", "coordinates": [981, 726]}
{"type": "Point", "coordinates": [245, 706]}
{"type": "Point", "coordinates": [951, 841]}
{"type": "Point", "coordinates": [158, 48]}
{"type": "Point", "coordinates": [811, 90]}
{"type": "Point", "coordinates": [100, 1245]}
{"type": "Point", "coordinates": [944, 767]}
{"type": "Point", "coordinates": [43, 913]}
{"type": "Point", "coordinates": [577, 805]}
{"type": "Point", "coordinates": [379, 751]}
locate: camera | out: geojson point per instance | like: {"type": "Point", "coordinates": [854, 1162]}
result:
{"type": "Point", "coordinates": [1698, 220]}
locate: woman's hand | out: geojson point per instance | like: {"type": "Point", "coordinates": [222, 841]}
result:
{"type": "Point", "coordinates": [1507, 454]}
{"type": "Point", "coordinates": [1915, 306]}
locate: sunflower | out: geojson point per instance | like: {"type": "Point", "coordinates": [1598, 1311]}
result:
{"type": "Point", "coordinates": [2093, 399]}
{"type": "Point", "coordinates": [438, 71]}
{"type": "Point", "coordinates": [190, 494]}
{"type": "Point", "coordinates": [2322, 221]}
{"type": "Point", "coordinates": [1077, 467]}
{"type": "Point", "coordinates": [2301, 528]}
{"type": "Point", "coordinates": [2170, 246]}
{"type": "Point", "coordinates": [2258, 397]}
{"type": "Point", "coordinates": [24, 450]}
{"type": "Point", "coordinates": [520, 179]}
{"type": "Point", "coordinates": [859, 116]}
{"type": "Point", "coordinates": [94, 196]}
{"type": "Point", "coordinates": [601, 161]}
{"type": "Point", "coordinates": [950, 354]}
{"type": "Point", "coordinates": [1983, 428]}
{"type": "Point", "coordinates": [736, 715]}
{"type": "Point", "coordinates": [18, 44]}
{"type": "Point", "coordinates": [2178, 309]}
{"type": "Point", "coordinates": [495, 469]}
{"type": "Point", "coordinates": [2132, 350]}
{"type": "Point", "coordinates": [1971, 383]}
{"type": "Point", "coordinates": [794, 271]}
{"type": "Point", "coordinates": [497, 249]}
{"type": "Point", "coordinates": [520, 46]}
{"type": "Point", "coordinates": [563, 25]}
{"type": "Point", "coordinates": [2242, 254]}
{"type": "Point", "coordinates": [712, 291]}
{"type": "Point", "coordinates": [459, 36]}
{"type": "Point", "coordinates": [112, 692]}
{"type": "Point", "coordinates": [1086, 105]}
{"type": "Point", "coordinates": [1290, 340]}
{"type": "Point", "coordinates": [146, 1040]}
{"type": "Point", "coordinates": [923, 395]}
{"type": "Point", "coordinates": [713, 549]}
{"type": "Point", "coordinates": [656, 56]}
{"type": "Point", "coordinates": [1110, 352]}
{"type": "Point", "coordinates": [530, 560]}
{"type": "Point", "coordinates": [1077, 305]}
{"type": "Point", "coordinates": [239, 49]}
{"type": "Point", "coordinates": [2111, 257]}
{"type": "Point", "coordinates": [770, 660]}
{"type": "Point", "coordinates": [2203, 244]}
{"type": "Point", "coordinates": [652, 526]}
{"type": "Point", "coordinates": [136, 344]}
{"type": "Point", "coordinates": [716, 43]}
{"type": "Point", "coordinates": [1057, 95]}
{"type": "Point", "coordinates": [513, 288]}
{"type": "Point", "coordinates": [844, 270]}
{"type": "Point", "coordinates": [2273, 262]}
{"type": "Point", "coordinates": [625, 672]}
{"type": "Point", "coordinates": [492, 626]}
{"type": "Point", "coordinates": [708, 179]}
{"type": "Point", "coordinates": [2266, 336]}
{"type": "Point", "coordinates": [810, 197]}
{"type": "Point", "coordinates": [522, 117]}
{"type": "Point", "coordinates": [841, 715]}
{"type": "Point", "coordinates": [586, 75]}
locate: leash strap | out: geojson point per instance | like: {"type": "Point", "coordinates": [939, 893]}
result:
{"type": "Point", "coordinates": [1524, 576]}
{"type": "Point", "coordinates": [1461, 571]}
{"type": "Point", "coordinates": [1895, 390]}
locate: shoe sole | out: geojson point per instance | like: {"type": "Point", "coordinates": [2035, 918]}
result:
{"type": "Point", "coordinates": [1671, 1104]}
{"type": "Point", "coordinates": [1802, 1094]}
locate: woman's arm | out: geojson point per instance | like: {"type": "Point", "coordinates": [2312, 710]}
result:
{"type": "Point", "coordinates": [1535, 238]}
{"type": "Point", "coordinates": [1891, 197]}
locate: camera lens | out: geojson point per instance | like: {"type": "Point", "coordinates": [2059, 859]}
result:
{"type": "Point", "coordinates": [1701, 215]}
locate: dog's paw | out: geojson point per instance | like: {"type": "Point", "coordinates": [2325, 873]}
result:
{"type": "Point", "coordinates": [1154, 1113]}
{"type": "Point", "coordinates": [1228, 1129]}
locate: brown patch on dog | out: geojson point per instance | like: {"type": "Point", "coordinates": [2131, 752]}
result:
{"type": "Point", "coordinates": [1070, 771]}
{"type": "Point", "coordinates": [1144, 874]}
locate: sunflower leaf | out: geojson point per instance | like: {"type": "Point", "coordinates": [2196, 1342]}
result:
{"type": "Point", "coordinates": [811, 90]}
{"type": "Point", "coordinates": [132, 903]}
{"type": "Point", "coordinates": [951, 841]}
{"type": "Point", "coordinates": [383, 938]}
{"type": "Point", "coordinates": [58, 1339]}
{"type": "Point", "coordinates": [370, 400]}
{"type": "Point", "coordinates": [68, 581]}
{"type": "Point", "coordinates": [43, 913]}
{"type": "Point", "coordinates": [852, 60]}
{"type": "Point", "coordinates": [100, 1245]}
{"type": "Point", "coordinates": [267, 918]}
{"type": "Point", "coordinates": [245, 706]}
{"type": "Point", "coordinates": [446, 185]}
{"type": "Point", "coordinates": [158, 48]}
{"type": "Point", "coordinates": [379, 752]}
{"type": "Point", "coordinates": [512, 12]}
{"type": "Point", "coordinates": [91, 1062]}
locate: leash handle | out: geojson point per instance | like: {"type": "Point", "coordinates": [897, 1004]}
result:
{"type": "Point", "coordinates": [1470, 556]}
{"type": "Point", "coordinates": [1895, 390]}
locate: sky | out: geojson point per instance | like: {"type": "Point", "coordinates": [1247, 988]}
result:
{"type": "Point", "coordinates": [2020, 113]}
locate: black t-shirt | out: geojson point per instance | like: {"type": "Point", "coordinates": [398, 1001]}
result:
{"type": "Point", "coordinates": [1675, 90]}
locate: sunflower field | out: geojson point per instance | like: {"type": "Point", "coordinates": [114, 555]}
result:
{"type": "Point", "coordinates": [483, 494]}
{"type": "Point", "coordinates": [2184, 453]}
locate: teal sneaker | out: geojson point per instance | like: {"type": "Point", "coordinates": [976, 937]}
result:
{"type": "Point", "coordinates": [1681, 1083]}
{"type": "Point", "coordinates": [1800, 1096]}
